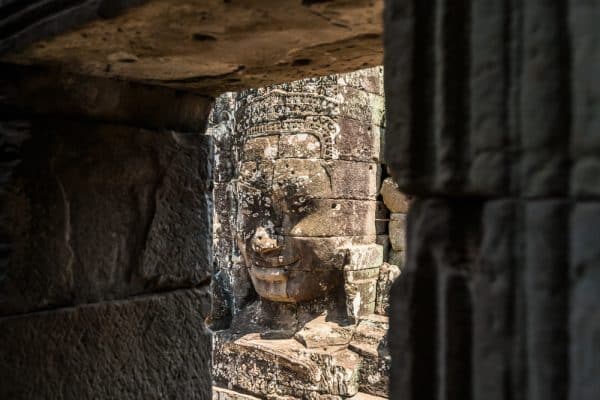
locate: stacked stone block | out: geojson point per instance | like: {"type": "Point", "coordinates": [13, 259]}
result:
{"type": "Point", "coordinates": [493, 118]}
{"type": "Point", "coordinates": [105, 254]}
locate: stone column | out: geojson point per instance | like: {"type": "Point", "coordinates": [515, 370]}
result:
{"type": "Point", "coordinates": [105, 260]}
{"type": "Point", "coordinates": [492, 111]}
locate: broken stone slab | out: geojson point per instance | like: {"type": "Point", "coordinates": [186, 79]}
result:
{"type": "Point", "coordinates": [388, 273]}
{"type": "Point", "coordinates": [369, 337]}
{"type": "Point", "coordinates": [320, 333]}
{"type": "Point", "coordinates": [397, 231]}
{"type": "Point", "coordinates": [283, 367]}
{"type": "Point", "coordinates": [220, 393]}
{"type": "Point", "coordinates": [370, 342]}
{"type": "Point", "coordinates": [394, 199]}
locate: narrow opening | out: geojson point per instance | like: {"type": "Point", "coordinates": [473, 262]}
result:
{"type": "Point", "coordinates": [306, 248]}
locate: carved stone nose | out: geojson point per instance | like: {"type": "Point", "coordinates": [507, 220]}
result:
{"type": "Point", "coordinates": [262, 242]}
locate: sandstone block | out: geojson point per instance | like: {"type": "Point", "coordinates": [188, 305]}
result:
{"type": "Point", "coordinates": [301, 145]}
{"type": "Point", "coordinates": [332, 217]}
{"type": "Point", "coordinates": [369, 341]}
{"type": "Point", "coordinates": [220, 393]}
{"type": "Point", "coordinates": [368, 79]}
{"type": "Point", "coordinates": [262, 147]}
{"type": "Point", "coordinates": [357, 141]}
{"type": "Point", "coordinates": [382, 216]}
{"type": "Point", "coordinates": [388, 273]}
{"type": "Point", "coordinates": [362, 106]}
{"type": "Point", "coordinates": [149, 347]}
{"type": "Point", "coordinates": [361, 292]}
{"type": "Point", "coordinates": [397, 257]}
{"type": "Point", "coordinates": [397, 231]}
{"type": "Point", "coordinates": [384, 242]}
{"type": "Point", "coordinates": [284, 367]}
{"type": "Point", "coordinates": [110, 213]}
{"type": "Point", "coordinates": [393, 198]}
{"type": "Point", "coordinates": [322, 333]}
{"type": "Point", "coordinates": [313, 178]}
{"type": "Point", "coordinates": [363, 256]}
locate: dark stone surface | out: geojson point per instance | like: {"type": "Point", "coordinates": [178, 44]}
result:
{"type": "Point", "coordinates": [493, 105]}
{"type": "Point", "coordinates": [152, 347]}
{"type": "Point", "coordinates": [25, 22]}
{"type": "Point", "coordinates": [49, 91]}
{"type": "Point", "coordinates": [98, 211]}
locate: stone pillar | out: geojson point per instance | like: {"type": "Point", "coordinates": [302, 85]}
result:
{"type": "Point", "coordinates": [492, 119]}
{"type": "Point", "coordinates": [106, 247]}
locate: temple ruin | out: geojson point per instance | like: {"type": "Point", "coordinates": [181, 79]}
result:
{"type": "Point", "coordinates": [107, 241]}
{"type": "Point", "coordinates": [301, 277]}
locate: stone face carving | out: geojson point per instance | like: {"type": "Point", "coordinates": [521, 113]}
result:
{"type": "Point", "coordinates": [293, 193]}
{"type": "Point", "coordinates": [297, 215]}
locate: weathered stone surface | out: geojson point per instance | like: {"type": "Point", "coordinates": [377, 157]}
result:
{"type": "Point", "coordinates": [317, 178]}
{"type": "Point", "coordinates": [358, 140]}
{"type": "Point", "coordinates": [301, 145]}
{"type": "Point", "coordinates": [224, 215]}
{"type": "Point", "coordinates": [284, 367]}
{"type": "Point", "coordinates": [306, 225]}
{"type": "Point", "coordinates": [220, 393]}
{"type": "Point", "coordinates": [397, 257]}
{"type": "Point", "coordinates": [40, 91]}
{"type": "Point", "coordinates": [364, 79]}
{"type": "Point", "coordinates": [103, 212]}
{"type": "Point", "coordinates": [397, 231]}
{"type": "Point", "coordinates": [394, 200]}
{"type": "Point", "coordinates": [323, 333]}
{"type": "Point", "coordinates": [584, 320]}
{"type": "Point", "coordinates": [384, 242]}
{"type": "Point", "coordinates": [365, 396]}
{"type": "Point", "coordinates": [361, 105]}
{"type": "Point", "coordinates": [365, 256]}
{"type": "Point", "coordinates": [332, 217]}
{"type": "Point", "coordinates": [370, 342]}
{"type": "Point", "coordinates": [388, 273]}
{"type": "Point", "coordinates": [153, 347]}
{"type": "Point", "coordinates": [209, 46]}
{"type": "Point", "coordinates": [360, 281]}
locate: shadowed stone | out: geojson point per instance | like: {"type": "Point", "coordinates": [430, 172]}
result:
{"type": "Point", "coordinates": [110, 350]}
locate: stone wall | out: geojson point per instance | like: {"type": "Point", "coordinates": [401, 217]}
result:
{"type": "Point", "coordinates": [106, 249]}
{"type": "Point", "coordinates": [492, 124]}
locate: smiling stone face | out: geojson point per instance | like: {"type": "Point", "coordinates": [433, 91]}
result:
{"type": "Point", "coordinates": [300, 202]}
